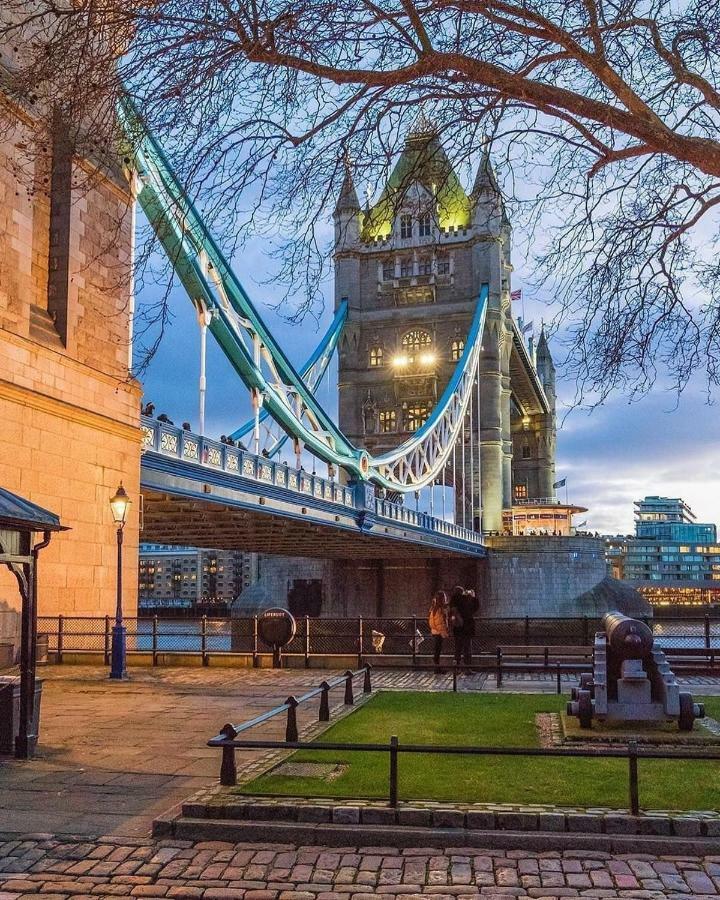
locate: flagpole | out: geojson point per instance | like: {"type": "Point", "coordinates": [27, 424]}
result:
{"type": "Point", "coordinates": [566, 493]}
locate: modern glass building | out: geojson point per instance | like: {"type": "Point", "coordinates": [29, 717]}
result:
{"type": "Point", "coordinates": [671, 552]}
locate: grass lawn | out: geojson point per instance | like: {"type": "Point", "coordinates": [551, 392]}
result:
{"type": "Point", "coordinates": [501, 720]}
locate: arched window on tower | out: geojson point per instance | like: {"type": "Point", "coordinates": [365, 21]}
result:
{"type": "Point", "coordinates": [415, 342]}
{"type": "Point", "coordinates": [376, 357]}
{"type": "Point", "coordinates": [456, 349]}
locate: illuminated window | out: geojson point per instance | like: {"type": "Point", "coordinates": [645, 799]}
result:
{"type": "Point", "coordinates": [415, 341]}
{"type": "Point", "coordinates": [376, 357]}
{"type": "Point", "coordinates": [681, 549]}
{"type": "Point", "coordinates": [416, 416]}
{"type": "Point", "coordinates": [456, 350]}
{"type": "Point", "coordinates": [388, 271]}
{"type": "Point", "coordinates": [424, 226]}
{"type": "Point", "coordinates": [425, 267]}
{"type": "Point", "coordinates": [443, 265]}
{"type": "Point", "coordinates": [521, 491]}
{"type": "Point", "coordinates": [406, 226]}
{"type": "Point", "coordinates": [388, 420]}
{"type": "Point", "coordinates": [406, 268]}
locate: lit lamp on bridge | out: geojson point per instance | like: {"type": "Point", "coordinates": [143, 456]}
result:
{"type": "Point", "coordinates": [400, 361]}
{"type": "Point", "coordinates": [119, 504]}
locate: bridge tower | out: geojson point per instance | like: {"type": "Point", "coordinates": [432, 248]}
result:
{"type": "Point", "coordinates": [411, 266]}
{"type": "Point", "coordinates": [69, 408]}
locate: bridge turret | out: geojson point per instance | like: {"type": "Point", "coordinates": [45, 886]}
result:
{"type": "Point", "coordinates": [488, 212]}
{"type": "Point", "coordinates": [347, 214]}
{"type": "Point", "coordinates": [548, 434]}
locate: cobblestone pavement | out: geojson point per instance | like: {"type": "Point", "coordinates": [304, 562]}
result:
{"type": "Point", "coordinates": [43, 868]}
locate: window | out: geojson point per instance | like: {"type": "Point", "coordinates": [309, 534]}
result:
{"type": "Point", "coordinates": [406, 228]}
{"type": "Point", "coordinates": [416, 416]}
{"type": "Point", "coordinates": [415, 341]}
{"type": "Point", "coordinates": [521, 491]}
{"type": "Point", "coordinates": [424, 226]}
{"type": "Point", "coordinates": [425, 266]}
{"type": "Point", "coordinates": [443, 265]}
{"type": "Point", "coordinates": [376, 357]}
{"type": "Point", "coordinates": [388, 420]}
{"type": "Point", "coordinates": [526, 451]}
{"type": "Point", "coordinates": [456, 350]}
{"type": "Point", "coordinates": [388, 270]}
{"type": "Point", "coordinates": [406, 268]}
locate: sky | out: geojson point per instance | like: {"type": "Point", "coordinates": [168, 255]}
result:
{"type": "Point", "coordinates": [611, 456]}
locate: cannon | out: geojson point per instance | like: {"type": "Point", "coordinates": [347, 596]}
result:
{"type": "Point", "coordinates": [631, 680]}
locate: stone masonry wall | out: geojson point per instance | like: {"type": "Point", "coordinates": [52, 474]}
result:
{"type": "Point", "coordinates": [69, 412]}
{"type": "Point", "coordinates": [539, 576]}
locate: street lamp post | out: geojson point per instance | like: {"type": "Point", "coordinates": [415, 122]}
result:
{"type": "Point", "coordinates": [119, 504]}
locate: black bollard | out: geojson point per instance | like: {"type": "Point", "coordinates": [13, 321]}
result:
{"type": "Point", "coordinates": [349, 699]}
{"type": "Point", "coordinates": [291, 732]}
{"type": "Point", "coordinates": [324, 703]}
{"type": "Point", "coordinates": [228, 770]}
{"type": "Point", "coordinates": [367, 686]}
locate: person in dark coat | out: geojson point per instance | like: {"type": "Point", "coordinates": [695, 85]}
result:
{"type": "Point", "coordinates": [463, 608]}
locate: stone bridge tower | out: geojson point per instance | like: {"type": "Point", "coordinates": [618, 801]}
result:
{"type": "Point", "coordinates": [411, 266]}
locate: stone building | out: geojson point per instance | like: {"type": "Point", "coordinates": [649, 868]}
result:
{"type": "Point", "coordinates": [68, 406]}
{"type": "Point", "coordinates": [411, 266]}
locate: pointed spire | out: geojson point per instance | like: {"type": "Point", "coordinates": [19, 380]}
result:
{"type": "Point", "coordinates": [485, 179]}
{"type": "Point", "coordinates": [348, 198]}
{"type": "Point", "coordinates": [543, 348]}
{"type": "Point", "coordinates": [422, 129]}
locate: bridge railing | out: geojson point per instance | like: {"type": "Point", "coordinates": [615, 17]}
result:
{"type": "Point", "coordinates": [170, 440]}
{"type": "Point", "coordinates": [363, 638]}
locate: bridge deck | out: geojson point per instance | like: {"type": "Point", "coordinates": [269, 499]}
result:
{"type": "Point", "coordinates": [203, 493]}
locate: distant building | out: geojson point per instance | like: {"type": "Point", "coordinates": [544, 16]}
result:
{"type": "Point", "coordinates": [670, 519]}
{"type": "Point", "coordinates": [188, 576]}
{"type": "Point", "coordinates": [672, 559]}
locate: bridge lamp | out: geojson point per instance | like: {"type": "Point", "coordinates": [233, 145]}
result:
{"type": "Point", "coordinates": [119, 505]}
{"type": "Point", "coordinates": [400, 361]}
{"type": "Point", "coordinates": [427, 359]}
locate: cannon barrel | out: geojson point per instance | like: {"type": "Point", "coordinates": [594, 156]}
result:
{"type": "Point", "coordinates": [627, 638]}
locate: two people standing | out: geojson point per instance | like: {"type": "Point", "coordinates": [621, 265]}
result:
{"type": "Point", "coordinates": [456, 614]}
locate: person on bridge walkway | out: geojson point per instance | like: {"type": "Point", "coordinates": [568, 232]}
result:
{"type": "Point", "coordinates": [438, 622]}
{"type": "Point", "coordinates": [463, 607]}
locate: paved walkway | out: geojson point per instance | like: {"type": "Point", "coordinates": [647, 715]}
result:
{"type": "Point", "coordinates": [48, 869]}
{"type": "Point", "coordinates": [75, 822]}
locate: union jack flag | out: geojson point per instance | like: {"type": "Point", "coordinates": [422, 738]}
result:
{"type": "Point", "coordinates": [515, 295]}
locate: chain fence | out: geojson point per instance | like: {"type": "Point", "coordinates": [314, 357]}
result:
{"type": "Point", "coordinates": [366, 637]}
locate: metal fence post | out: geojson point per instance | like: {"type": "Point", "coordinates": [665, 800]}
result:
{"type": "Point", "coordinates": [498, 669]}
{"type": "Point", "coordinates": [707, 632]}
{"type": "Point", "coordinates": [633, 778]}
{"type": "Point", "coordinates": [307, 642]}
{"type": "Point", "coordinates": [414, 642]}
{"type": "Point", "coordinates": [455, 668]}
{"type": "Point", "coordinates": [324, 715]}
{"type": "Point", "coordinates": [228, 770]}
{"type": "Point", "coordinates": [106, 646]}
{"type": "Point", "coordinates": [393, 771]}
{"type": "Point", "coordinates": [256, 658]}
{"type": "Point", "coordinates": [527, 630]}
{"type": "Point", "coordinates": [367, 685]}
{"type": "Point", "coordinates": [349, 700]}
{"type": "Point", "coordinates": [360, 641]}
{"type": "Point", "coordinates": [557, 675]}
{"type": "Point", "coordinates": [60, 633]}
{"type": "Point", "coordinates": [547, 657]}
{"type": "Point", "coordinates": [203, 640]}
{"type": "Point", "coordinates": [154, 640]}
{"type": "Point", "coordinates": [291, 730]}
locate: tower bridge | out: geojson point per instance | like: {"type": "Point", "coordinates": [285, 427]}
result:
{"type": "Point", "coordinates": [438, 391]}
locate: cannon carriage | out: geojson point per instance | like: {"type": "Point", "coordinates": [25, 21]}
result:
{"type": "Point", "coordinates": [631, 680]}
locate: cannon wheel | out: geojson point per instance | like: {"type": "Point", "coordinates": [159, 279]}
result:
{"type": "Point", "coordinates": [686, 719]}
{"type": "Point", "coordinates": [585, 709]}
